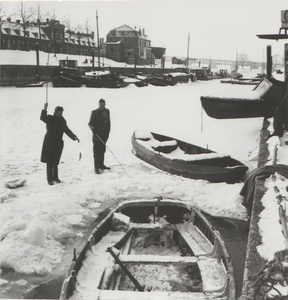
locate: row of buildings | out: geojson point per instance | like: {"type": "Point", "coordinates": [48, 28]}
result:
{"type": "Point", "coordinates": [123, 44]}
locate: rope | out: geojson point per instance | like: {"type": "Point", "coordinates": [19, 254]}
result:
{"type": "Point", "coordinates": [115, 158]}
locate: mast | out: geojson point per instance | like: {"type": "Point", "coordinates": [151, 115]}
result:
{"type": "Point", "coordinates": [98, 43]}
{"type": "Point", "coordinates": [236, 60]}
{"type": "Point", "coordinates": [188, 49]}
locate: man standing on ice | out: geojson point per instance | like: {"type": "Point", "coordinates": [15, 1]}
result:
{"type": "Point", "coordinates": [53, 144]}
{"type": "Point", "coordinates": [100, 125]}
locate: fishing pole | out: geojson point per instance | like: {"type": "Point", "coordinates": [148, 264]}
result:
{"type": "Point", "coordinates": [115, 158]}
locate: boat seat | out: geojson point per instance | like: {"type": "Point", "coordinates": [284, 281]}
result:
{"type": "Point", "coordinates": [134, 258]}
{"type": "Point", "coordinates": [195, 239]}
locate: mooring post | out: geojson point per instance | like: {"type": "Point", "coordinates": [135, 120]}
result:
{"type": "Point", "coordinates": [269, 62]}
{"type": "Point", "coordinates": [37, 60]}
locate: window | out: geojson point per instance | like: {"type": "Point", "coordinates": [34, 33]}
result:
{"type": "Point", "coordinates": [35, 34]}
{"type": "Point", "coordinates": [111, 49]}
{"type": "Point", "coordinates": [129, 52]}
{"type": "Point", "coordinates": [8, 30]}
{"type": "Point", "coordinates": [8, 44]}
{"type": "Point", "coordinates": [26, 33]}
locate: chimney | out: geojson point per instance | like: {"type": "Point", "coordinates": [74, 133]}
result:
{"type": "Point", "coordinates": [143, 31]}
{"type": "Point", "coordinates": [47, 20]}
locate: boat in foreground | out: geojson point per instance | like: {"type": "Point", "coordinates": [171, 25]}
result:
{"type": "Point", "coordinates": [267, 96]}
{"type": "Point", "coordinates": [187, 160]}
{"type": "Point", "coordinates": [152, 249]}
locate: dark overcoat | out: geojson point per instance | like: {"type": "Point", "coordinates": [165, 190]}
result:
{"type": "Point", "coordinates": [100, 124]}
{"type": "Point", "coordinates": [53, 143]}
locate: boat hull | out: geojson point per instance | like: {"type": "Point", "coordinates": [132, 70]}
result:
{"type": "Point", "coordinates": [67, 77]}
{"type": "Point", "coordinates": [187, 227]}
{"type": "Point", "coordinates": [222, 169]}
{"type": "Point", "coordinates": [158, 81]}
{"type": "Point", "coordinates": [30, 84]}
{"type": "Point", "coordinates": [233, 108]}
{"type": "Point", "coordinates": [270, 90]}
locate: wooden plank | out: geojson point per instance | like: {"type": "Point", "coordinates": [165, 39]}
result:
{"type": "Point", "coordinates": [195, 239]}
{"type": "Point", "coordinates": [131, 295]}
{"type": "Point", "coordinates": [157, 259]}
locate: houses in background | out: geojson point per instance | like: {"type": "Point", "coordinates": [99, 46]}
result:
{"type": "Point", "coordinates": [50, 36]}
{"type": "Point", "coordinates": [123, 44]}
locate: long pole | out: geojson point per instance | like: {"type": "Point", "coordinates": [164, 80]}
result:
{"type": "Point", "coordinates": [98, 43]}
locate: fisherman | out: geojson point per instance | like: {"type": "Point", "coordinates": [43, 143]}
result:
{"type": "Point", "coordinates": [53, 144]}
{"type": "Point", "coordinates": [100, 125]}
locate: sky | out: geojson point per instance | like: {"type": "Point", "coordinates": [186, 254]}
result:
{"type": "Point", "coordinates": [217, 29]}
{"type": "Point", "coordinates": [49, 221]}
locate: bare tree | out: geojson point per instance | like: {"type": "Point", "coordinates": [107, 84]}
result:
{"type": "Point", "coordinates": [276, 60]}
{"type": "Point", "coordinates": [243, 58]}
{"type": "Point", "coordinates": [25, 13]}
{"type": "Point", "coordinates": [68, 24]}
{"type": "Point", "coordinates": [39, 15]}
{"type": "Point", "coordinates": [88, 28]}
{"type": "Point", "coordinates": [53, 19]}
{"type": "Point", "coordinates": [79, 34]}
{"type": "Point", "coordinates": [3, 15]}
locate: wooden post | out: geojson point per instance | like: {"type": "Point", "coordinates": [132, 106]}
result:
{"type": "Point", "coordinates": [269, 62]}
{"type": "Point", "coordinates": [37, 60]}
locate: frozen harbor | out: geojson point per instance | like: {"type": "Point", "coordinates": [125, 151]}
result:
{"type": "Point", "coordinates": [65, 211]}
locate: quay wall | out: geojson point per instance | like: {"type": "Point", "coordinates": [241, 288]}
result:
{"type": "Point", "coordinates": [11, 74]}
{"type": "Point", "coordinates": [254, 262]}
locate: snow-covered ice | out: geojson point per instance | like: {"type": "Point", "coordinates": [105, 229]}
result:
{"type": "Point", "coordinates": [38, 220]}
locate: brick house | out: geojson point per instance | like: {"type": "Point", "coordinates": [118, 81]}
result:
{"type": "Point", "coordinates": [125, 44]}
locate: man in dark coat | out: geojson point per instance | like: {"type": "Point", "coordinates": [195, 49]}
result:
{"type": "Point", "coordinates": [53, 144]}
{"type": "Point", "coordinates": [100, 125]}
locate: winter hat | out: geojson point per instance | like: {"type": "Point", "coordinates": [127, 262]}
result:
{"type": "Point", "coordinates": [59, 108]}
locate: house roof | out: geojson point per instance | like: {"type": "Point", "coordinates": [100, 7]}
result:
{"type": "Point", "coordinates": [15, 28]}
{"type": "Point", "coordinates": [126, 31]}
{"type": "Point", "coordinates": [125, 28]}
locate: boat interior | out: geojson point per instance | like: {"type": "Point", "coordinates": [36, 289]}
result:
{"type": "Point", "coordinates": [174, 243]}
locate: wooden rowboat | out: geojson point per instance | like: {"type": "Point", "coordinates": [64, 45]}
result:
{"type": "Point", "coordinates": [187, 160]}
{"type": "Point", "coordinates": [151, 249]}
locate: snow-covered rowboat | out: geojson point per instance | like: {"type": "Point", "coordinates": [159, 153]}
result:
{"type": "Point", "coordinates": [187, 160]}
{"type": "Point", "coordinates": [151, 249]}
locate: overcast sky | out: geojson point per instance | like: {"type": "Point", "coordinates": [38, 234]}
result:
{"type": "Point", "coordinates": [218, 28]}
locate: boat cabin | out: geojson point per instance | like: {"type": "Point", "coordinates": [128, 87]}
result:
{"type": "Point", "coordinates": [68, 63]}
